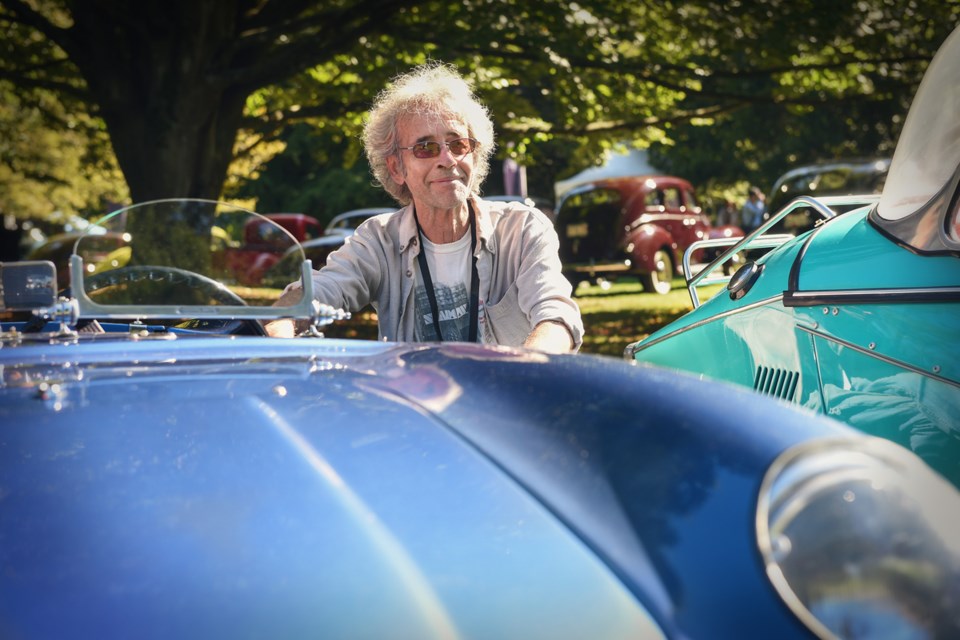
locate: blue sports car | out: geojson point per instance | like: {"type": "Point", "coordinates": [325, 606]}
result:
{"type": "Point", "coordinates": [168, 471]}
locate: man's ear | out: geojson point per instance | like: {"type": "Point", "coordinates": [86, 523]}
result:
{"type": "Point", "coordinates": [395, 169]}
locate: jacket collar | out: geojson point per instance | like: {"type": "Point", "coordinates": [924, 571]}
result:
{"type": "Point", "coordinates": [486, 239]}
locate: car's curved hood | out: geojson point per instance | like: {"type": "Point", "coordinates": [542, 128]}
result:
{"type": "Point", "coordinates": [204, 493]}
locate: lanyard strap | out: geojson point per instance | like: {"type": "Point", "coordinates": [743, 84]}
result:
{"type": "Point", "coordinates": [474, 280]}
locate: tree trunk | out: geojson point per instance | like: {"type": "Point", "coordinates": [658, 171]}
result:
{"type": "Point", "coordinates": [182, 157]}
{"type": "Point", "coordinates": [160, 85]}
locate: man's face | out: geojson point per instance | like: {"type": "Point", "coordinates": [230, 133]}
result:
{"type": "Point", "coordinates": [442, 182]}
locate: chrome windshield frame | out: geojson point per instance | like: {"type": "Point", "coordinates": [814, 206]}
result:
{"type": "Point", "coordinates": [305, 309]}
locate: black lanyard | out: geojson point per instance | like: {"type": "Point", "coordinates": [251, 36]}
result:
{"type": "Point", "coordinates": [474, 280]}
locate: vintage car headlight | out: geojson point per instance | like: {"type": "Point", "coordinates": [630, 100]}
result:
{"type": "Point", "coordinates": [862, 540]}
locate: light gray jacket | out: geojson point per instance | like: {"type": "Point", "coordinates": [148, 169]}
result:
{"type": "Point", "coordinates": [521, 283]}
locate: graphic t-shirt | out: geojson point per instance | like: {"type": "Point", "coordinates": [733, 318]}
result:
{"type": "Point", "coordinates": [450, 269]}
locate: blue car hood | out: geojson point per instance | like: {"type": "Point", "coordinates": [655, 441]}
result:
{"type": "Point", "coordinates": [374, 490]}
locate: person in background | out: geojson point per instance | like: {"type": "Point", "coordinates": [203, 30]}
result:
{"type": "Point", "coordinates": [727, 213]}
{"type": "Point", "coordinates": [448, 266]}
{"type": "Point", "coordinates": [751, 215]}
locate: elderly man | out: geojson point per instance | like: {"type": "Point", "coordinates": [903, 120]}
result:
{"type": "Point", "coordinates": [449, 266]}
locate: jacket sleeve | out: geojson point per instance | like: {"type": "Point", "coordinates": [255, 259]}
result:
{"type": "Point", "coordinates": [352, 275]}
{"type": "Point", "coordinates": [544, 293]}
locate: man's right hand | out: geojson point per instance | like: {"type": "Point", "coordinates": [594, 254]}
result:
{"type": "Point", "coordinates": [281, 328]}
{"type": "Point", "coordinates": [284, 328]}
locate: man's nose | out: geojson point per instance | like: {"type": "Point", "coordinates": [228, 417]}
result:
{"type": "Point", "coordinates": [447, 157]}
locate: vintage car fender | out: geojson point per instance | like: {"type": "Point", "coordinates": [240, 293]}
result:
{"type": "Point", "coordinates": [642, 243]}
{"type": "Point", "coordinates": [260, 265]}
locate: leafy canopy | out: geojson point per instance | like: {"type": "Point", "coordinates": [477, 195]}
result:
{"type": "Point", "coordinates": [196, 97]}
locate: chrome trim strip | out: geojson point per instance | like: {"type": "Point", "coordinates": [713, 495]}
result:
{"type": "Point", "coordinates": [879, 356]}
{"type": "Point", "coordinates": [870, 296]}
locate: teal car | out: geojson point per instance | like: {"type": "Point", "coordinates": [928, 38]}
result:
{"type": "Point", "coordinates": [859, 318]}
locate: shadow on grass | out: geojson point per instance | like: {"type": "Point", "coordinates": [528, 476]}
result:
{"type": "Point", "coordinates": [361, 326]}
{"type": "Point", "coordinates": [609, 332]}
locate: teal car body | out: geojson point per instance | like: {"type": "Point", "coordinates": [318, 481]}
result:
{"type": "Point", "coordinates": [859, 318]}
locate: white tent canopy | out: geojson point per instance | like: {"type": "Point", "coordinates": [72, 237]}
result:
{"type": "Point", "coordinates": [617, 165]}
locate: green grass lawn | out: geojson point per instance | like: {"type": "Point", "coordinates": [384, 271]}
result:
{"type": "Point", "coordinates": [624, 313]}
{"type": "Point", "coordinates": [613, 318]}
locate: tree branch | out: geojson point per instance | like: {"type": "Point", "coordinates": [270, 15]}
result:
{"type": "Point", "coordinates": [314, 39]}
{"type": "Point", "coordinates": [271, 125]}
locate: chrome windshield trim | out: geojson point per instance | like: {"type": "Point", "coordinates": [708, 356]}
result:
{"type": "Point", "coordinates": [820, 205]}
{"type": "Point", "coordinates": [632, 349]}
{"type": "Point", "coordinates": [762, 242]}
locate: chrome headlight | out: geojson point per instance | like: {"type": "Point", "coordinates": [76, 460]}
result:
{"type": "Point", "coordinates": [861, 539]}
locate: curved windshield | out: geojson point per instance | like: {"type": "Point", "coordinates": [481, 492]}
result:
{"type": "Point", "coordinates": [185, 252]}
{"type": "Point", "coordinates": [928, 151]}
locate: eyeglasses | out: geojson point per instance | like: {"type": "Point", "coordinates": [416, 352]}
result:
{"type": "Point", "coordinates": [459, 148]}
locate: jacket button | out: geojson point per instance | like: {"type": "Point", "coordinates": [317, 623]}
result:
{"type": "Point", "coordinates": [409, 273]}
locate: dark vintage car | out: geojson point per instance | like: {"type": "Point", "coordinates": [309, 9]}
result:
{"type": "Point", "coordinates": [344, 224]}
{"type": "Point", "coordinates": [106, 249]}
{"type": "Point", "coordinates": [858, 319]}
{"type": "Point", "coordinates": [834, 178]}
{"type": "Point", "coordinates": [637, 226]}
{"type": "Point", "coordinates": [167, 471]}
{"type": "Point", "coordinates": [316, 250]}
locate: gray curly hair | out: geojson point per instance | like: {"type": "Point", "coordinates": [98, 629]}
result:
{"type": "Point", "coordinates": [434, 89]}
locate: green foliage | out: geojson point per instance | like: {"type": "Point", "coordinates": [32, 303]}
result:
{"type": "Point", "coordinates": [311, 177]}
{"type": "Point", "coordinates": [45, 168]}
{"type": "Point", "coordinates": [798, 83]}
{"type": "Point", "coordinates": [726, 91]}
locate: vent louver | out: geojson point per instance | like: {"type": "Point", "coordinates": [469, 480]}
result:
{"type": "Point", "coordinates": [776, 382]}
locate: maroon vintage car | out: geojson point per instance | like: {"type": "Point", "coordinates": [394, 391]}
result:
{"type": "Point", "coordinates": [638, 226]}
{"type": "Point", "coordinates": [264, 244]}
